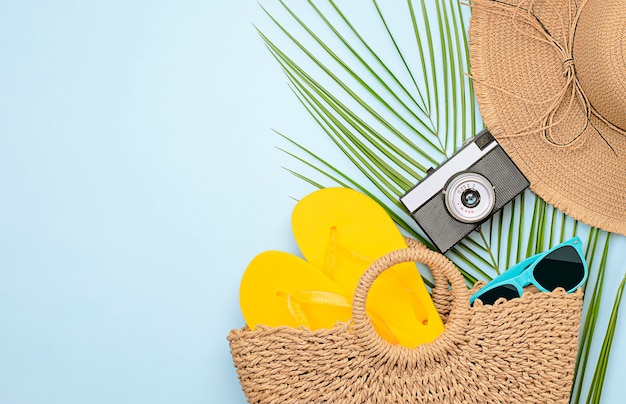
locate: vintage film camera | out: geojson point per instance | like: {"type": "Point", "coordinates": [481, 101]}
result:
{"type": "Point", "coordinates": [464, 191]}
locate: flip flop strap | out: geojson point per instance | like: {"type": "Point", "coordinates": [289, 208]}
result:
{"type": "Point", "coordinates": [298, 298]}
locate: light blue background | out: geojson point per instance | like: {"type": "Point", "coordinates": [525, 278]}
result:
{"type": "Point", "coordinates": [138, 177]}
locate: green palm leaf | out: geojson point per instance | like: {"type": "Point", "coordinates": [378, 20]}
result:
{"type": "Point", "coordinates": [399, 103]}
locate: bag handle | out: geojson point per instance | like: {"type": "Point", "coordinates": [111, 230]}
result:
{"type": "Point", "coordinates": [441, 291]}
{"type": "Point", "coordinates": [444, 271]}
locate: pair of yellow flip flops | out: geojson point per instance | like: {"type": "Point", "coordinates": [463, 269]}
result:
{"type": "Point", "coordinates": [340, 233]}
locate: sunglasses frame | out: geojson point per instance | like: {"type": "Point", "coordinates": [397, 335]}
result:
{"type": "Point", "coordinates": [522, 274]}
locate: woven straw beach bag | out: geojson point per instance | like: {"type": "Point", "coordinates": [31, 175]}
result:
{"type": "Point", "coordinates": [517, 351]}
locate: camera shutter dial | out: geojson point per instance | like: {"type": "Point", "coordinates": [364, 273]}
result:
{"type": "Point", "coordinates": [470, 197]}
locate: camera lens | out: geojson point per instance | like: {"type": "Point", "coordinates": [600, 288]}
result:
{"type": "Point", "coordinates": [470, 198]}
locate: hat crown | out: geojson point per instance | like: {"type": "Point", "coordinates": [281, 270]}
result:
{"type": "Point", "coordinates": [600, 58]}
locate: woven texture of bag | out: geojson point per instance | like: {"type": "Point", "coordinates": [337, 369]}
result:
{"type": "Point", "coordinates": [517, 351]}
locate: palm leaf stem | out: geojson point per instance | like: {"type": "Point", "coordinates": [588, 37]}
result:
{"type": "Point", "coordinates": [591, 318]}
{"type": "Point", "coordinates": [510, 235]}
{"type": "Point", "coordinates": [531, 248]}
{"type": "Point", "coordinates": [592, 244]}
{"type": "Point", "coordinates": [563, 222]}
{"type": "Point", "coordinates": [520, 230]}
{"type": "Point", "coordinates": [552, 227]}
{"type": "Point", "coordinates": [599, 374]}
{"type": "Point", "coordinates": [541, 227]}
{"type": "Point", "coordinates": [496, 245]}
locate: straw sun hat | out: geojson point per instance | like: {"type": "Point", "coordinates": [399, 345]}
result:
{"type": "Point", "coordinates": [550, 80]}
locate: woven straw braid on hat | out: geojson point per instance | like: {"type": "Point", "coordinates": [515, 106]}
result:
{"type": "Point", "coordinates": [517, 351]}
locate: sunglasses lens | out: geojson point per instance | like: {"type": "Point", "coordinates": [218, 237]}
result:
{"type": "Point", "coordinates": [561, 268]}
{"type": "Point", "coordinates": [506, 291]}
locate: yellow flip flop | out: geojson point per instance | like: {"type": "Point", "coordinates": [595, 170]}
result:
{"type": "Point", "coordinates": [341, 232]}
{"type": "Point", "coordinates": [280, 289]}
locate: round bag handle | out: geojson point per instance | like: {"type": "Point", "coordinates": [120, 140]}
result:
{"type": "Point", "coordinates": [444, 271]}
{"type": "Point", "coordinates": [441, 282]}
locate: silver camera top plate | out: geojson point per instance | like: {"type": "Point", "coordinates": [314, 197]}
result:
{"type": "Point", "coordinates": [436, 180]}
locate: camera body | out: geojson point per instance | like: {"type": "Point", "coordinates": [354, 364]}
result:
{"type": "Point", "coordinates": [464, 191]}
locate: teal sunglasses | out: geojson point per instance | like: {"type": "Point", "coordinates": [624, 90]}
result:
{"type": "Point", "coordinates": [562, 266]}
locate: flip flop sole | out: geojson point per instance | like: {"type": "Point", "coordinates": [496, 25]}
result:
{"type": "Point", "coordinates": [280, 289]}
{"type": "Point", "coordinates": [341, 232]}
